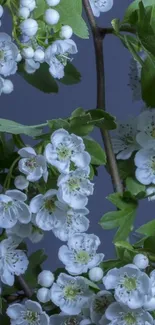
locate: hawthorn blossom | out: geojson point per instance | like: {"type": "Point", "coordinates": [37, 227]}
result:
{"type": "Point", "coordinates": [21, 182]}
{"type": "Point", "coordinates": [48, 210]}
{"type": "Point", "coordinates": [150, 192]}
{"type": "Point", "coordinates": [122, 315]}
{"type": "Point", "coordinates": [13, 261]}
{"type": "Point", "coordinates": [99, 304]}
{"type": "Point", "coordinates": [72, 222]}
{"type": "Point", "coordinates": [99, 6]}
{"type": "Point", "coordinates": [6, 86]}
{"type": "Point", "coordinates": [130, 284]}
{"type": "Point", "coordinates": [57, 56]}
{"type": "Point", "coordinates": [64, 149]}
{"type": "Point", "coordinates": [71, 294]}
{"type": "Point", "coordinates": [30, 231]}
{"type": "Point", "coordinates": [150, 302]}
{"type": "Point", "coordinates": [29, 313]}
{"type": "Point", "coordinates": [74, 188]}
{"type": "Point", "coordinates": [62, 319]}
{"type": "Point", "coordinates": [8, 55]}
{"type": "Point", "coordinates": [146, 126]}
{"type": "Point", "coordinates": [145, 163]}
{"type": "Point", "coordinates": [13, 209]}
{"type": "Point", "coordinates": [124, 142]}
{"type": "Point", "coordinates": [32, 165]}
{"type": "Point", "coordinates": [31, 66]}
{"type": "Point", "coordinates": [80, 254]}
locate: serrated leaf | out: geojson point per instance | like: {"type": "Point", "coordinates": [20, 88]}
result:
{"type": "Point", "coordinates": [112, 219]}
{"type": "Point", "coordinates": [148, 229]}
{"type": "Point", "coordinates": [133, 40]}
{"type": "Point", "coordinates": [9, 126]}
{"type": "Point", "coordinates": [100, 118]}
{"type": "Point", "coordinates": [69, 15]}
{"type": "Point", "coordinates": [119, 202]}
{"type": "Point", "coordinates": [79, 125]}
{"type": "Point", "coordinates": [134, 187]}
{"type": "Point", "coordinates": [72, 75]}
{"type": "Point", "coordinates": [40, 79]}
{"type": "Point", "coordinates": [126, 168]}
{"type": "Point", "coordinates": [98, 156]}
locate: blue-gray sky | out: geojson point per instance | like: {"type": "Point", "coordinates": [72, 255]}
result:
{"type": "Point", "coordinates": [28, 105]}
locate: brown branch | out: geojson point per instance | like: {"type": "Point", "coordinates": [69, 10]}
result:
{"type": "Point", "coordinates": [24, 286]}
{"type": "Point", "coordinates": [98, 45]}
{"type": "Point", "coordinates": [110, 30]}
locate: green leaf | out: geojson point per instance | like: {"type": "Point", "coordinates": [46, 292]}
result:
{"type": "Point", "coordinates": [78, 112]}
{"type": "Point", "coordinates": [116, 24]}
{"type": "Point", "coordinates": [58, 124]}
{"type": "Point", "coordinates": [40, 9]}
{"type": "Point", "coordinates": [148, 81]}
{"type": "Point", "coordinates": [40, 79]}
{"type": "Point", "coordinates": [126, 168]}
{"type": "Point", "coordinates": [148, 229]}
{"type": "Point", "coordinates": [72, 75]}
{"type": "Point", "coordinates": [134, 187]}
{"type": "Point", "coordinates": [132, 40]}
{"type": "Point", "coordinates": [79, 125]}
{"type": "Point", "coordinates": [91, 284]}
{"type": "Point", "coordinates": [9, 126]}
{"type": "Point", "coordinates": [34, 268]}
{"type": "Point", "coordinates": [110, 264]}
{"type": "Point", "coordinates": [118, 200]}
{"type": "Point", "coordinates": [129, 14]}
{"type": "Point", "coordinates": [126, 225]}
{"type": "Point", "coordinates": [149, 244]}
{"type": "Point", "coordinates": [100, 118]}
{"type": "Point", "coordinates": [70, 14]}
{"type": "Point", "coordinates": [145, 31]}
{"type": "Point", "coordinates": [124, 244]}
{"type": "Point", "coordinates": [132, 49]}
{"type": "Point", "coordinates": [112, 219]}
{"type": "Point", "coordinates": [96, 152]}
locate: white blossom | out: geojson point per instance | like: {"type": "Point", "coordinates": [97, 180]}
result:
{"type": "Point", "coordinates": [31, 66]}
{"type": "Point", "coordinates": [64, 149]}
{"type": "Point", "coordinates": [29, 27]}
{"type": "Point", "coordinates": [98, 305]}
{"type": "Point", "coordinates": [8, 55]}
{"type": "Point", "coordinates": [29, 313]}
{"type": "Point", "coordinates": [74, 188]}
{"type": "Point", "coordinates": [150, 301]}
{"type": "Point", "coordinates": [13, 261]}
{"type": "Point", "coordinates": [57, 55]}
{"type": "Point", "coordinates": [46, 278]}
{"type": "Point", "coordinates": [145, 163]}
{"type": "Point", "coordinates": [32, 165]}
{"type": "Point", "coordinates": [66, 32]}
{"type": "Point", "coordinates": [52, 3]}
{"type": "Point", "coordinates": [124, 142]}
{"type": "Point", "coordinates": [51, 16]}
{"type": "Point", "coordinates": [99, 6]}
{"type": "Point", "coordinates": [39, 55]}
{"type": "Point", "coordinates": [13, 209]}
{"type": "Point", "coordinates": [141, 261]}
{"type": "Point", "coordinates": [24, 12]}
{"type": "Point", "coordinates": [150, 191]}
{"type": "Point", "coordinates": [28, 52]}
{"type": "Point", "coordinates": [146, 126]}
{"type": "Point", "coordinates": [62, 319]}
{"type": "Point", "coordinates": [72, 222]}
{"type": "Point", "coordinates": [130, 284]}
{"type": "Point", "coordinates": [43, 295]}
{"type": "Point", "coordinates": [8, 86]}
{"type": "Point", "coordinates": [21, 182]}
{"type": "Point", "coordinates": [30, 4]}
{"type": "Point", "coordinates": [30, 231]}
{"type": "Point", "coordinates": [70, 293]}
{"type": "Point", "coordinates": [80, 254]}
{"type": "Point", "coordinates": [118, 314]}
{"type": "Point", "coordinates": [48, 209]}
{"type": "Point", "coordinates": [96, 274]}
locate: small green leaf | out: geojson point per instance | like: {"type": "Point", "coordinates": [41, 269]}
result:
{"type": "Point", "coordinates": [100, 118]}
{"type": "Point", "coordinates": [72, 75]}
{"type": "Point", "coordinates": [134, 187]}
{"type": "Point", "coordinates": [128, 18]}
{"type": "Point", "coordinates": [110, 264]}
{"type": "Point", "coordinates": [58, 124]}
{"type": "Point", "coordinates": [112, 219]}
{"type": "Point", "coordinates": [98, 156]}
{"type": "Point", "coordinates": [78, 112]}
{"type": "Point", "coordinates": [40, 79]}
{"type": "Point", "coordinates": [40, 9]}
{"type": "Point", "coordinates": [148, 81]}
{"type": "Point", "coordinates": [79, 125]}
{"type": "Point", "coordinates": [148, 229]}
{"type": "Point", "coordinates": [116, 24]}
{"type": "Point", "coordinates": [9, 126]}
{"type": "Point", "coordinates": [119, 202]}
{"type": "Point", "coordinates": [126, 225]}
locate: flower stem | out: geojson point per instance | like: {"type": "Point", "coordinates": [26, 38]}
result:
{"type": "Point", "coordinates": [98, 45]}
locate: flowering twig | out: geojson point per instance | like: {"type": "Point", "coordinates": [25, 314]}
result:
{"type": "Point", "coordinates": [98, 40]}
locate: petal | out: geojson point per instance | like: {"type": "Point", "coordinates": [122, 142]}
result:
{"type": "Point", "coordinates": [27, 152]}
{"type": "Point", "coordinates": [110, 280]}
{"type": "Point", "coordinates": [113, 310]}
{"type": "Point", "coordinates": [35, 175]}
{"type": "Point", "coordinates": [16, 195]}
{"type": "Point", "coordinates": [58, 136]}
{"type": "Point", "coordinates": [7, 277]}
{"type": "Point", "coordinates": [24, 215]}
{"type": "Point", "coordinates": [14, 310]}
{"type": "Point", "coordinates": [34, 306]}
{"type": "Point", "coordinates": [21, 182]}
{"type": "Point", "coordinates": [145, 140]}
{"type": "Point", "coordinates": [143, 157]}
{"type": "Point", "coordinates": [81, 159]}
{"type": "Point", "coordinates": [36, 203]}
{"type": "Point", "coordinates": [144, 176]}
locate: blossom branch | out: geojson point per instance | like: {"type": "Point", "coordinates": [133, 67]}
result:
{"type": "Point", "coordinates": [24, 286]}
{"type": "Point", "coordinates": [98, 40]}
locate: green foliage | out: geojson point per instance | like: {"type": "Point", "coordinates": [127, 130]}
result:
{"type": "Point", "coordinates": [110, 264]}
{"type": "Point", "coordinates": [58, 124]}
{"type": "Point", "coordinates": [96, 152]}
{"type": "Point", "coordinates": [40, 9]}
{"type": "Point", "coordinates": [71, 14]}
{"type": "Point", "coordinates": [148, 81]}
{"type": "Point", "coordinates": [126, 168]}
{"type": "Point", "coordinates": [9, 126]}
{"type": "Point", "coordinates": [134, 187]}
{"type": "Point", "coordinates": [148, 229]}
{"type": "Point", "coordinates": [102, 119]}
{"type": "Point", "coordinates": [72, 75]}
{"type": "Point", "coordinates": [34, 268]}
{"type": "Point", "coordinates": [134, 6]}
{"type": "Point", "coordinates": [123, 218]}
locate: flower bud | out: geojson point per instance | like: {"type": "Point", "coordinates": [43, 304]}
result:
{"type": "Point", "coordinates": [51, 16]}
{"type": "Point", "coordinates": [46, 278]}
{"type": "Point", "coordinates": [29, 27]}
{"type": "Point", "coordinates": [96, 274]}
{"type": "Point", "coordinates": [30, 4]}
{"type": "Point", "coordinates": [24, 12]}
{"type": "Point", "coordinates": [7, 86]}
{"type": "Point", "coordinates": [39, 55]}
{"type": "Point", "coordinates": [43, 295]}
{"type": "Point", "coordinates": [28, 52]}
{"type": "Point", "coordinates": [21, 182]}
{"type": "Point", "coordinates": [66, 32]}
{"type": "Point", "coordinates": [141, 261]}
{"type": "Point", "coordinates": [52, 2]}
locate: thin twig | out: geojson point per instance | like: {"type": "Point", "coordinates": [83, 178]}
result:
{"type": "Point", "coordinates": [98, 45]}
{"type": "Point", "coordinates": [24, 286]}
{"type": "Point", "coordinates": [110, 30]}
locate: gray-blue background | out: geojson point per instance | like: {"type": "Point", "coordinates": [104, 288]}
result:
{"type": "Point", "coordinates": [30, 106]}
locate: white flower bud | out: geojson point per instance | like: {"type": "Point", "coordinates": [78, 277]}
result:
{"type": "Point", "coordinates": [66, 32]}
{"type": "Point", "coordinates": [1, 11]}
{"type": "Point", "coordinates": [21, 182]}
{"type": "Point", "coordinates": [19, 57]}
{"type": "Point", "coordinates": [30, 4]}
{"type": "Point", "coordinates": [43, 295]}
{"type": "Point", "coordinates": [39, 55]}
{"type": "Point", "coordinates": [28, 52]}
{"type": "Point", "coordinates": [46, 278]}
{"type": "Point", "coordinates": [51, 16]}
{"type": "Point", "coordinates": [29, 27]}
{"type": "Point", "coordinates": [96, 274]}
{"type": "Point", "coordinates": [7, 86]}
{"type": "Point", "coordinates": [141, 261]}
{"type": "Point", "coordinates": [52, 2]}
{"type": "Point", "coordinates": [23, 12]}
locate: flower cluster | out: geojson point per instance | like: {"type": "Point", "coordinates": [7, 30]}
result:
{"type": "Point", "coordinates": [136, 138]}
